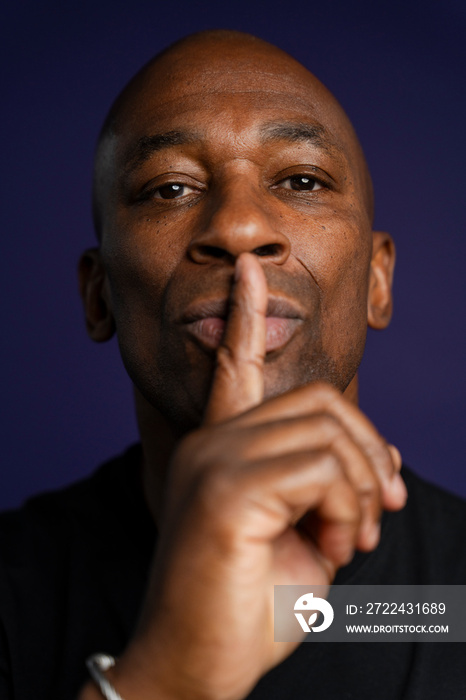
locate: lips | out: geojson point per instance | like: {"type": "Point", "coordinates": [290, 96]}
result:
{"type": "Point", "coordinates": [206, 320]}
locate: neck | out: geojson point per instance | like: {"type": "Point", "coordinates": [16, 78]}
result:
{"type": "Point", "coordinates": [158, 440]}
{"type": "Point", "coordinates": [351, 392]}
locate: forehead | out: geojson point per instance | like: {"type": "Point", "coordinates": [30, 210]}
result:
{"type": "Point", "coordinates": [235, 84]}
{"type": "Point", "coordinates": [224, 93]}
{"type": "Point", "coordinates": [224, 127]}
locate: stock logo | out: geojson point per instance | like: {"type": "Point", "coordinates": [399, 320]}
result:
{"type": "Point", "coordinates": [307, 603]}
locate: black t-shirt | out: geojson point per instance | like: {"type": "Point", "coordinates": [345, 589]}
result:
{"type": "Point", "coordinates": [73, 567]}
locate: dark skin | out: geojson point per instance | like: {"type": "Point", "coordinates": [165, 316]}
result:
{"type": "Point", "coordinates": [238, 266]}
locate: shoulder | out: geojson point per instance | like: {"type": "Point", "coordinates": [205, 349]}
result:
{"type": "Point", "coordinates": [433, 507]}
{"type": "Point", "coordinates": [51, 518]}
{"type": "Point", "coordinates": [421, 544]}
{"type": "Point", "coordinates": [431, 530]}
{"type": "Point", "coordinates": [73, 564]}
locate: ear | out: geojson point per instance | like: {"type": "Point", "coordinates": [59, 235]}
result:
{"type": "Point", "coordinates": [379, 300]}
{"type": "Point", "coordinates": [95, 294]}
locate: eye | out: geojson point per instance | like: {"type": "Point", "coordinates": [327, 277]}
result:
{"type": "Point", "coordinates": [165, 192]}
{"type": "Point", "coordinates": [301, 183]}
{"type": "Point", "coordinates": [172, 190]}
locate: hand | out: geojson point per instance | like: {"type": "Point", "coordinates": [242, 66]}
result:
{"type": "Point", "coordinates": [233, 524]}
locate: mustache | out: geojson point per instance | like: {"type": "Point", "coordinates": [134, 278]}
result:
{"type": "Point", "coordinates": [217, 283]}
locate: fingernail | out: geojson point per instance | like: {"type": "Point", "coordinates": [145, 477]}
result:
{"type": "Point", "coordinates": [373, 535]}
{"type": "Point", "coordinates": [399, 488]}
{"type": "Point", "coordinates": [396, 456]}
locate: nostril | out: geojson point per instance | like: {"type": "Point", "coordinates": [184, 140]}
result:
{"type": "Point", "coordinates": [271, 250]}
{"type": "Point", "coordinates": [211, 251]}
{"type": "Point", "coordinates": [205, 254]}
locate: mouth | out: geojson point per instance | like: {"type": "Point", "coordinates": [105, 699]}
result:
{"type": "Point", "coordinates": [206, 320]}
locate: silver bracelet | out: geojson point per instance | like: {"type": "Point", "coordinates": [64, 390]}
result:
{"type": "Point", "coordinates": [97, 664]}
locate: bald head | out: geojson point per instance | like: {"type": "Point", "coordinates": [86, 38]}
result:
{"type": "Point", "coordinates": [224, 144]}
{"type": "Point", "coordinates": [208, 64]}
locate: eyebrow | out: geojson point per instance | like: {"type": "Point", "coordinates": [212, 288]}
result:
{"type": "Point", "coordinates": [297, 132]}
{"type": "Point", "coordinates": [146, 146]}
{"type": "Point", "coordinates": [293, 132]}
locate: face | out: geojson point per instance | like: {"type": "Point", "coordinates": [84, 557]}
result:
{"type": "Point", "coordinates": [222, 148]}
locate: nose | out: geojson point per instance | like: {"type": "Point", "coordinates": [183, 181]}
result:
{"type": "Point", "coordinates": [238, 221]}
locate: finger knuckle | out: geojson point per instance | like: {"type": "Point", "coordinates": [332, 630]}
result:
{"type": "Point", "coordinates": [330, 465]}
{"type": "Point", "coordinates": [368, 485]}
{"type": "Point", "coordinates": [327, 425]}
{"type": "Point", "coordinates": [229, 358]}
{"type": "Point", "coordinates": [324, 391]}
{"type": "Point", "coordinates": [348, 507]}
{"type": "Point", "coordinates": [226, 360]}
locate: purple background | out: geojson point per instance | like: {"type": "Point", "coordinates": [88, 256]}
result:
{"type": "Point", "coordinates": [399, 68]}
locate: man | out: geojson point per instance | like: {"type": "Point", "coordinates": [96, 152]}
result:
{"type": "Point", "coordinates": [237, 265]}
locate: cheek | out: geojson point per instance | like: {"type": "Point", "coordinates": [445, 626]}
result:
{"type": "Point", "coordinates": [336, 252]}
{"type": "Point", "coordinates": [136, 286]}
{"type": "Point", "coordinates": [143, 283]}
{"type": "Point", "coordinates": [345, 309]}
{"type": "Point", "coordinates": [140, 258]}
{"type": "Point", "coordinates": [335, 248]}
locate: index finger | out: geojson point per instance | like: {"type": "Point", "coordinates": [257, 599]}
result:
{"type": "Point", "coordinates": [238, 382]}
